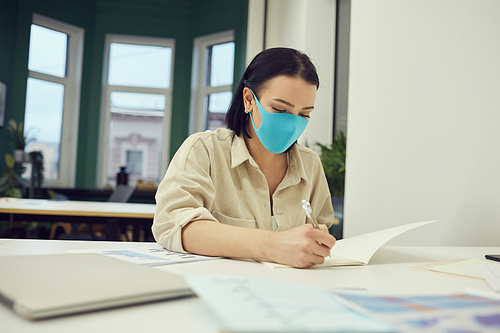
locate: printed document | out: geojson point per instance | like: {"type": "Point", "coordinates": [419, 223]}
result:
{"type": "Point", "coordinates": [247, 304]}
{"type": "Point", "coordinates": [152, 255]}
{"type": "Point", "coordinates": [462, 312]}
{"type": "Point", "coordinates": [491, 273]}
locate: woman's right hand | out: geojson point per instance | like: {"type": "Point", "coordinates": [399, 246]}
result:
{"type": "Point", "coordinates": [301, 247]}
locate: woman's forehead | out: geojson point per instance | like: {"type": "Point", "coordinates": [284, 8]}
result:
{"type": "Point", "coordinates": [291, 89]}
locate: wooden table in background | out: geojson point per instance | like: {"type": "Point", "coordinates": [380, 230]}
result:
{"type": "Point", "coordinates": [109, 213]}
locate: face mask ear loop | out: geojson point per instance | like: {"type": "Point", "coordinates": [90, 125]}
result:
{"type": "Point", "coordinates": [251, 113]}
{"type": "Point", "coordinates": [255, 99]}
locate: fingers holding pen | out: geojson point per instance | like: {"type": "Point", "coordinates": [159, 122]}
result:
{"type": "Point", "coordinates": [324, 228]}
{"type": "Point", "coordinates": [322, 236]}
{"type": "Point", "coordinates": [300, 246]}
{"type": "Point", "coordinates": [317, 246]}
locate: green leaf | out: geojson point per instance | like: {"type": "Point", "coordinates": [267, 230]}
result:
{"type": "Point", "coordinates": [333, 160]}
{"type": "Point", "coordinates": [14, 193]}
{"type": "Point", "coordinates": [9, 161]}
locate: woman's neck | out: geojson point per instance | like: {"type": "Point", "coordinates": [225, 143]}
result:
{"type": "Point", "coordinates": [263, 157]}
{"type": "Point", "coordinates": [273, 166]}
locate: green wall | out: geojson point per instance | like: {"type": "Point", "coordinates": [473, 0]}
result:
{"type": "Point", "coordinates": [215, 16]}
{"type": "Point", "coordinates": [8, 14]}
{"type": "Point", "coordinates": [182, 20]}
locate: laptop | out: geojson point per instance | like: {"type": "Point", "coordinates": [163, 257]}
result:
{"type": "Point", "coordinates": [42, 286]}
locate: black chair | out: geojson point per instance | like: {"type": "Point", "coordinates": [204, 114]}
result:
{"type": "Point", "coordinates": [67, 230]}
{"type": "Point", "coordinates": [16, 232]}
{"type": "Point", "coordinates": [114, 229]}
{"type": "Point", "coordinates": [85, 231]}
{"type": "Point", "coordinates": [122, 193]}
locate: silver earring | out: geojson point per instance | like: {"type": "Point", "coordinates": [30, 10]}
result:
{"type": "Point", "coordinates": [248, 109]}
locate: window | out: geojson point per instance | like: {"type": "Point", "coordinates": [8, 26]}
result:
{"type": "Point", "coordinates": [212, 80]}
{"type": "Point", "coordinates": [136, 108]}
{"type": "Point", "coordinates": [134, 162]}
{"type": "Point", "coordinates": [53, 96]}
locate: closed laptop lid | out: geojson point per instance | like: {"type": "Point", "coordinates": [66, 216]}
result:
{"type": "Point", "coordinates": [41, 286]}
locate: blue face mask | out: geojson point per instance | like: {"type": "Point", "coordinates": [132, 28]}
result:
{"type": "Point", "coordinates": [278, 131]}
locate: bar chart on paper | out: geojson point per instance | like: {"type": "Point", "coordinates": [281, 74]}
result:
{"type": "Point", "coordinates": [153, 255]}
{"type": "Point", "coordinates": [261, 305]}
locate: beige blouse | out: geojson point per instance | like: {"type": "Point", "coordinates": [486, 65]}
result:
{"type": "Point", "coordinates": [213, 177]}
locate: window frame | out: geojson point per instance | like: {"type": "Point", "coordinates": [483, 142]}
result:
{"type": "Point", "coordinates": [71, 104]}
{"type": "Point", "coordinates": [107, 89]}
{"type": "Point", "coordinates": [199, 88]}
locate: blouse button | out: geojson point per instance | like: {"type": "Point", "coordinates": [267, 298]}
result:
{"type": "Point", "coordinates": [278, 211]}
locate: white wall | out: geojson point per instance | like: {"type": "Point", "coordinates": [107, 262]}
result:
{"type": "Point", "coordinates": [307, 25]}
{"type": "Point", "coordinates": [424, 120]}
{"type": "Point", "coordinates": [255, 28]}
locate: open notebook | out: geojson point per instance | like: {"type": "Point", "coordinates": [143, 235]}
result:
{"type": "Point", "coordinates": [358, 250]}
{"type": "Point", "coordinates": [40, 286]}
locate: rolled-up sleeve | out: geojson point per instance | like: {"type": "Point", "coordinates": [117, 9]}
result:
{"type": "Point", "coordinates": [185, 194]}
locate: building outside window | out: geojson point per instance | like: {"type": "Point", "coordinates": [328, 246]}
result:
{"type": "Point", "coordinates": [53, 97]}
{"type": "Point", "coordinates": [136, 108]}
{"type": "Point", "coordinates": [212, 80]}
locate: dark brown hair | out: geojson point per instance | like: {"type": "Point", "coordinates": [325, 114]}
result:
{"type": "Point", "coordinates": [266, 65]}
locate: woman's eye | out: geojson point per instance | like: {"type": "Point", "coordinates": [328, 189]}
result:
{"type": "Point", "coordinates": [278, 110]}
{"type": "Point", "coordinates": [303, 115]}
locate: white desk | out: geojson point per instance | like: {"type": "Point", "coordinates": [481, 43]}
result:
{"type": "Point", "coordinates": [76, 208]}
{"type": "Point", "coordinates": [13, 209]}
{"type": "Point", "coordinates": [386, 272]}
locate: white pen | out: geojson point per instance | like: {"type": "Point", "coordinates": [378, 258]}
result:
{"type": "Point", "coordinates": [307, 207]}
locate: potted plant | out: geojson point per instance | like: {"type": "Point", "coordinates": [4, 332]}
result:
{"type": "Point", "coordinates": [20, 140]}
{"type": "Point", "coordinates": [333, 159]}
{"type": "Point", "coordinates": [11, 183]}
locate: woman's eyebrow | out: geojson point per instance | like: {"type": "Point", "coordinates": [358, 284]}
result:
{"type": "Point", "coordinates": [290, 104]}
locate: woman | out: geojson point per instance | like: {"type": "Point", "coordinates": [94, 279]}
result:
{"type": "Point", "coordinates": [238, 192]}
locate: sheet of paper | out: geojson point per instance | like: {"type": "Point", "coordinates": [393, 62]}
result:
{"type": "Point", "coordinates": [247, 304]}
{"type": "Point", "coordinates": [491, 273]}
{"type": "Point", "coordinates": [464, 267]}
{"type": "Point", "coordinates": [362, 247]}
{"type": "Point", "coordinates": [430, 313]}
{"type": "Point", "coordinates": [154, 255]}
{"type": "Point", "coordinates": [358, 250]}
{"type": "Point", "coordinates": [425, 268]}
